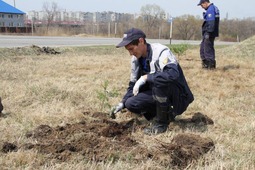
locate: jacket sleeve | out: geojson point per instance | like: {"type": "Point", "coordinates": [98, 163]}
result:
{"type": "Point", "coordinates": [135, 74]}
{"type": "Point", "coordinates": [167, 70]}
{"type": "Point", "coordinates": [129, 92]}
{"type": "Point", "coordinates": [162, 78]}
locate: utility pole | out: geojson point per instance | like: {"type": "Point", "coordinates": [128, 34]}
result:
{"type": "Point", "coordinates": [115, 30]}
{"type": "Point", "coordinates": [171, 32]}
{"type": "Point", "coordinates": [109, 29]}
{"type": "Point", "coordinates": [14, 3]}
{"type": "Point", "coordinates": [32, 24]}
{"type": "Point", "coordinates": [171, 29]}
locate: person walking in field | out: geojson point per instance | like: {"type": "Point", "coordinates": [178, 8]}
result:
{"type": "Point", "coordinates": [210, 30]}
{"type": "Point", "coordinates": [157, 89]}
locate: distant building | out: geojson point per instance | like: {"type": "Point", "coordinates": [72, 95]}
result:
{"type": "Point", "coordinates": [77, 17]}
{"type": "Point", "coordinates": [10, 16]}
{"type": "Point", "coordinates": [88, 17]}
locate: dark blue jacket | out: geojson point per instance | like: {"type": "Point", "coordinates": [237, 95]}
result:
{"type": "Point", "coordinates": [171, 73]}
{"type": "Point", "coordinates": [211, 21]}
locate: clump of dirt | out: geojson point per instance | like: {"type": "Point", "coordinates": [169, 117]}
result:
{"type": "Point", "coordinates": [183, 149]}
{"type": "Point", "coordinates": [189, 147]}
{"type": "Point", "coordinates": [198, 119]}
{"type": "Point", "coordinates": [9, 147]}
{"type": "Point", "coordinates": [103, 140]}
{"type": "Point", "coordinates": [44, 50]}
{"type": "Point", "coordinates": [198, 122]}
{"type": "Point", "coordinates": [29, 50]}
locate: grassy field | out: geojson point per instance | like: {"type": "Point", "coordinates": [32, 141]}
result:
{"type": "Point", "coordinates": [56, 90]}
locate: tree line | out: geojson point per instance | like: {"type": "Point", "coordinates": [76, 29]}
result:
{"type": "Point", "coordinates": [152, 20]}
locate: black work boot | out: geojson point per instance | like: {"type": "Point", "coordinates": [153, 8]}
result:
{"type": "Point", "coordinates": [149, 116]}
{"type": "Point", "coordinates": [212, 65]}
{"type": "Point", "coordinates": [205, 64]}
{"type": "Point", "coordinates": [161, 122]}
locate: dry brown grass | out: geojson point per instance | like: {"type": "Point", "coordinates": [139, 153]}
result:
{"type": "Point", "coordinates": [56, 89]}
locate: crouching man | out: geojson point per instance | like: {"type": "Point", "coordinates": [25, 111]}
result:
{"type": "Point", "coordinates": [157, 87]}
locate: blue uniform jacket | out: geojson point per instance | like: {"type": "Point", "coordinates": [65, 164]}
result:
{"type": "Point", "coordinates": [211, 21]}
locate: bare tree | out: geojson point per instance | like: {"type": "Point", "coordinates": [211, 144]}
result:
{"type": "Point", "coordinates": [187, 27]}
{"type": "Point", "coordinates": [152, 16]}
{"type": "Point", "coordinates": [51, 10]}
{"type": "Point", "coordinates": [236, 29]}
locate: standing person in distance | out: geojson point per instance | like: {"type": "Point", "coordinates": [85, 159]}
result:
{"type": "Point", "coordinates": [157, 87]}
{"type": "Point", "coordinates": [210, 30]}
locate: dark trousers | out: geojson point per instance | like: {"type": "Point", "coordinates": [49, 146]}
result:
{"type": "Point", "coordinates": [145, 102]}
{"type": "Point", "coordinates": [207, 51]}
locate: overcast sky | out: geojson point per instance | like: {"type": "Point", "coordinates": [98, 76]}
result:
{"type": "Point", "coordinates": [233, 8]}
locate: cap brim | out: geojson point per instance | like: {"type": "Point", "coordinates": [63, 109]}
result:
{"type": "Point", "coordinates": [123, 43]}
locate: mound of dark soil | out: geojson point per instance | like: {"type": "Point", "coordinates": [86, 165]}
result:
{"type": "Point", "coordinates": [44, 50]}
{"type": "Point", "coordinates": [103, 140]}
{"type": "Point", "coordinates": [29, 50]}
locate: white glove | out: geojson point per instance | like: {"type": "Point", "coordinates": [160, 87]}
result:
{"type": "Point", "coordinates": [138, 84]}
{"type": "Point", "coordinates": [117, 108]}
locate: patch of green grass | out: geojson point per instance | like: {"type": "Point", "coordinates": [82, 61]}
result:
{"type": "Point", "coordinates": [179, 49]}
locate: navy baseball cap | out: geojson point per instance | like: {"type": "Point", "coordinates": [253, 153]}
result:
{"type": "Point", "coordinates": [131, 35]}
{"type": "Point", "coordinates": [202, 1]}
